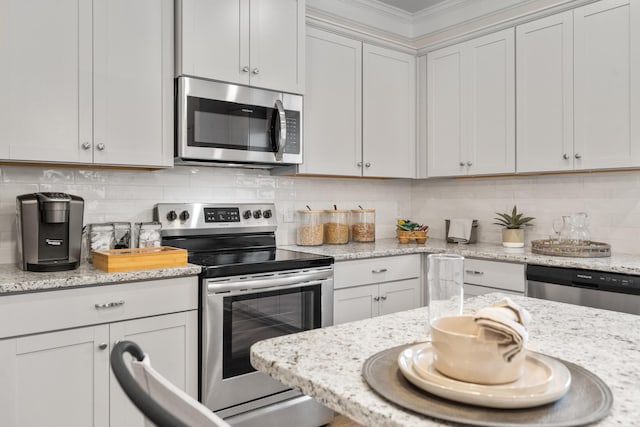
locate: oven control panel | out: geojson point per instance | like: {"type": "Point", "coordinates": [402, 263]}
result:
{"type": "Point", "coordinates": [216, 217]}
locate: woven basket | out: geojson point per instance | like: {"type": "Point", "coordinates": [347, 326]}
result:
{"type": "Point", "coordinates": [419, 237]}
{"type": "Point", "coordinates": [587, 250]}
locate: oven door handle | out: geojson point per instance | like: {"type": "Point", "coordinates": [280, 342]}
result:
{"type": "Point", "coordinates": [267, 282]}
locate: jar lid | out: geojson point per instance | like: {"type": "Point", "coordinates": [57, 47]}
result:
{"type": "Point", "coordinates": [336, 211]}
{"type": "Point", "coordinates": [311, 212]}
{"type": "Point", "coordinates": [363, 210]}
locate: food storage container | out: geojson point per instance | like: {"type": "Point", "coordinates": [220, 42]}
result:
{"type": "Point", "coordinates": [363, 225]}
{"type": "Point", "coordinates": [122, 235]}
{"type": "Point", "coordinates": [309, 231]}
{"type": "Point", "coordinates": [148, 234]}
{"type": "Point", "coordinates": [336, 227]}
{"type": "Point", "coordinates": [99, 237]}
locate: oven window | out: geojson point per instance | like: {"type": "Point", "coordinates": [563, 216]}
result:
{"type": "Point", "coordinates": [248, 319]}
{"type": "Point", "coordinates": [222, 124]}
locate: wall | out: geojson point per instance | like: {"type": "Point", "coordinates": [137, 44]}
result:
{"type": "Point", "coordinates": [611, 199]}
{"type": "Point", "coordinates": [118, 195]}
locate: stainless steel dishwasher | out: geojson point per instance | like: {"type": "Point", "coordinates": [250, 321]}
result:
{"type": "Point", "coordinates": [591, 288]}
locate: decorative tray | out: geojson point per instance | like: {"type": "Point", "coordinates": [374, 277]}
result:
{"type": "Point", "coordinates": [117, 260]}
{"type": "Point", "coordinates": [588, 250]}
{"type": "Point", "coordinates": [587, 400]}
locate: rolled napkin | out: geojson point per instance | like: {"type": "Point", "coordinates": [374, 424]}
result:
{"type": "Point", "coordinates": [505, 322]}
{"type": "Point", "coordinates": [460, 229]}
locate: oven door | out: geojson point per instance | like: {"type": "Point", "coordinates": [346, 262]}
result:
{"type": "Point", "coordinates": [230, 123]}
{"type": "Point", "coordinates": [242, 310]}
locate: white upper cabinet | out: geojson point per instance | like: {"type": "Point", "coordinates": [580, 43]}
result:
{"type": "Point", "coordinates": [333, 105]}
{"type": "Point", "coordinates": [87, 82]}
{"type": "Point", "coordinates": [471, 107]}
{"type": "Point", "coordinates": [250, 42]}
{"type": "Point", "coordinates": [577, 91]}
{"type": "Point", "coordinates": [544, 69]}
{"type": "Point", "coordinates": [607, 96]}
{"type": "Point", "coordinates": [388, 113]}
{"type": "Point", "coordinates": [359, 109]}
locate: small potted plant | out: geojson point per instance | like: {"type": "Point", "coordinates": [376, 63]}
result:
{"type": "Point", "coordinates": [513, 231]}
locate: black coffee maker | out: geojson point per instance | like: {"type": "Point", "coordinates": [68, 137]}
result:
{"type": "Point", "coordinates": [49, 231]}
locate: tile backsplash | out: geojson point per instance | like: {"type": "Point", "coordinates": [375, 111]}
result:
{"type": "Point", "coordinates": [612, 200]}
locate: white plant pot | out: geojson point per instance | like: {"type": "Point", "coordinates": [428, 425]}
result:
{"type": "Point", "coordinates": [513, 237]}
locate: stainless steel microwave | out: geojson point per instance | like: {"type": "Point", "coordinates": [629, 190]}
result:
{"type": "Point", "coordinates": [230, 124]}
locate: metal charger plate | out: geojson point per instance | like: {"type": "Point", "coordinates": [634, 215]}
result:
{"type": "Point", "coordinates": [588, 400]}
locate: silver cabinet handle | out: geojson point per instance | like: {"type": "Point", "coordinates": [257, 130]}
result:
{"type": "Point", "coordinates": [367, 165]}
{"type": "Point", "coordinates": [245, 69]}
{"type": "Point", "coordinates": [359, 164]}
{"type": "Point", "coordinates": [383, 298]}
{"type": "Point", "coordinates": [109, 304]}
{"type": "Point", "coordinates": [103, 346]}
{"type": "Point", "coordinates": [474, 272]}
{"type": "Point", "coordinates": [381, 270]}
{"type": "Point", "coordinates": [256, 71]}
{"type": "Point", "coordinates": [461, 163]}
{"type": "Point", "coordinates": [376, 298]}
{"type": "Point", "coordinates": [565, 156]}
{"type": "Point", "coordinates": [86, 145]}
{"type": "Point", "coordinates": [578, 156]}
{"type": "Point", "coordinates": [469, 163]}
{"type": "Point", "coordinates": [100, 146]}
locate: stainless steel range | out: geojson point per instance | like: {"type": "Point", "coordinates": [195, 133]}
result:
{"type": "Point", "coordinates": [249, 291]}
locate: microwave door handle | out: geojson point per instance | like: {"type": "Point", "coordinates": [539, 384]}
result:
{"type": "Point", "coordinates": [282, 137]}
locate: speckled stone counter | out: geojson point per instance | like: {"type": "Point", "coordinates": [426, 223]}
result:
{"type": "Point", "coordinates": [14, 280]}
{"type": "Point", "coordinates": [326, 363]}
{"type": "Point", "coordinates": [619, 263]}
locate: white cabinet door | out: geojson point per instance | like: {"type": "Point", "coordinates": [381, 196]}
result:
{"type": "Point", "coordinates": [388, 113]}
{"type": "Point", "coordinates": [45, 80]}
{"type": "Point", "coordinates": [357, 303]}
{"type": "Point", "coordinates": [56, 379]}
{"type": "Point", "coordinates": [544, 84]}
{"type": "Point", "coordinates": [489, 127]}
{"type": "Point", "coordinates": [276, 38]}
{"type": "Point", "coordinates": [172, 342]}
{"type": "Point", "coordinates": [133, 84]}
{"type": "Point", "coordinates": [333, 105]}
{"type": "Point", "coordinates": [606, 84]}
{"type": "Point", "coordinates": [445, 153]}
{"type": "Point", "coordinates": [214, 39]}
{"type": "Point", "coordinates": [399, 296]}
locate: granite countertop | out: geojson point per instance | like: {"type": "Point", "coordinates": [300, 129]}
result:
{"type": "Point", "coordinates": [13, 280]}
{"type": "Point", "coordinates": [327, 363]}
{"type": "Point", "coordinates": [617, 263]}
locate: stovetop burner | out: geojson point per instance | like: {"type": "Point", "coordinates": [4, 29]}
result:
{"type": "Point", "coordinates": [230, 239]}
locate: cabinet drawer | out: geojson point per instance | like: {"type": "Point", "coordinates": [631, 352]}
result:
{"type": "Point", "coordinates": [499, 275]}
{"type": "Point", "coordinates": [376, 270]}
{"type": "Point", "coordinates": [69, 308]}
{"type": "Point", "coordinates": [475, 290]}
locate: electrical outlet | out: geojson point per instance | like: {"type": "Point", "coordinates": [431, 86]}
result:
{"type": "Point", "coordinates": [288, 214]}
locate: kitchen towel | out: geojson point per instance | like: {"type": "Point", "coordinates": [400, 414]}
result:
{"type": "Point", "coordinates": [460, 230]}
{"type": "Point", "coordinates": [505, 322]}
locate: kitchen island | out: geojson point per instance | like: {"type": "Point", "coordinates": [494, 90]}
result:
{"type": "Point", "coordinates": [327, 363]}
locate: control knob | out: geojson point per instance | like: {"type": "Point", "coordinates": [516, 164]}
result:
{"type": "Point", "coordinates": [257, 214]}
{"type": "Point", "coordinates": [267, 213]}
{"type": "Point", "coordinates": [184, 215]}
{"type": "Point", "coordinates": [172, 216]}
{"type": "Point", "coordinates": [246, 214]}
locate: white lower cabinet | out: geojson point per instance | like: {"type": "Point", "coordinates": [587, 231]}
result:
{"type": "Point", "coordinates": [63, 377]}
{"type": "Point", "coordinates": [372, 287]}
{"type": "Point", "coordinates": [483, 277]}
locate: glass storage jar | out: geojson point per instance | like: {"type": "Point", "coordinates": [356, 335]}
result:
{"type": "Point", "coordinates": [148, 234]}
{"type": "Point", "coordinates": [336, 227]}
{"type": "Point", "coordinates": [309, 231]}
{"type": "Point", "coordinates": [122, 235]}
{"type": "Point", "coordinates": [99, 237]}
{"type": "Point", "coordinates": [363, 225]}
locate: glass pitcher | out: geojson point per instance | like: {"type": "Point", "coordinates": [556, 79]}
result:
{"type": "Point", "coordinates": [574, 230]}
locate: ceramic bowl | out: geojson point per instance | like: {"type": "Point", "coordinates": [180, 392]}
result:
{"type": "Point", "coordinates": [460, 354]}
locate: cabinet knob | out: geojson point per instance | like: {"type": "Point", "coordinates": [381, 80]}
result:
{"type": "Point", "coordinates": [383, 298]}
{"type": "Point", "coordinates": [469, 163]}
{"type": "Point", "coordinates": [256, 71]}
{"type": "Point", "coordinates": [367, 165]}
{"type": "Point", "coordinates": [461, 163]}
{"type": "Point", "coordinates": [359, 164]}
{"type": "Point", "coordinates": [565, 156]}
{"type": "Point", "coordinates": [245, 69]}
{"type": "Point", "coordinates": [100, 146]}
{"type": "Point", "coordinates": [376, 298]}
{"type": "Point", "coordinates": [86, 145]}
{"type": "Point", "coordinates": [578, 156]}
{"type": "Point", "coordinates": [103, 346]}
